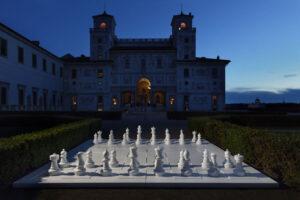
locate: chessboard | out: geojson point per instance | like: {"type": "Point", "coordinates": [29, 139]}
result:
{"type": "Point", "coordinates": [99, 151]}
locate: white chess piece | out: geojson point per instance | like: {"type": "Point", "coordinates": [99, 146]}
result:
{"type": "Point", "coordinates": [79, 169]}
{"type": "Point", "coordinates": [205, 163]}
{"type": "Point", "coordinates": [124, 141]}
{"type": "Point", "coordinates": [139, 135]}
{"type": "Point", "coordinates": [54, 169]}
{"type": "Point", "coordinates": [133, 164]}
{"type": "Point", "coordinates": [194, 136]}
{"type": "Point", "coordinates": [113, 159]}
{"type": "Point", "coordinates": [239, 170]}
{"type": "Point", "coordinates": [106, 170]}
{"type": "Point", "coordinates": [127, 135]}
{"type": "Point", "coordinates": [181, 138]}
{"type": "Point", "coordinates": [199, 142]}
{"type": "Point", "coordinates": [111, 138]}
{"type": "Point", "coordinates": [95, 141]}
{"type": "Point", "coordinates": [167, 137]}
{"type": "Point", "coordinates": [158, 163]}
{"type": "Point", "coordinates": [89, 163]}
{"type": "Point", "coordinates": [153, 138]}
{"type": "Point", "coordinates": [63, 159]}
{"type": "Point", "coordinates": [100, 139]}
{"type": "Point", "coordinates": [186, 169]}
{"type": "Point", "coordinates": [214, 165]}
{"type": "Point", "coordinates": [181, 160]}
{"type": "Point", "coordinates": [228, 164]}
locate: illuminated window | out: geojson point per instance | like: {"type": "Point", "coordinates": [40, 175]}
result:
{"type": "Point", "coordinates": [74, 100]}
{"type": "Point", "coordinates": [214, 100]}
{"type": "Point", "coordinates": [100, 57]}
{"type": "Point", "coordinates": [172, 99]}
{"type": "Point", "coordinates": [100, 100]}
{"type": "Point", "coordinates": [182, 26]}
{"type": "Point", "coordinates": [114, 100]}
{"type": "Point", "coordinates": [103, 25]}
{"type": "Point", "coordinates": [100, 109]}
{"type": "Point", "coordinates": [100, 73]}
{"type": "Point", "coordinates": [99, 82]}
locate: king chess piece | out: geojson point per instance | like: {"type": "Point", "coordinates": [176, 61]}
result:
{"type": "Point", "coordinates": [228, 166]}
{"type": "Point", "coordinates": [158, 163]}
{"type": "Point", "coordinates": [181, 138]}
{"type": "Point", "coordinates": [186, 169]}
{"type": "Point", "coordinates": [95, 141]}
{"type": "Point", "coordinates": [167, 137]}
{"type": "Point", "coordinates": [153, 137]}
{"type": "Point", "coordinates": [79, 169]}
{"type": "Point", "coordinates": [89, 163]}
{"type": "Point", "coordinates": [139, 135]}
{"type": "Point", "coordinates": [54, 169]}
{"type": "Point", "coordinates": [113, 159]}
{"type": "Point", "coordinates": [63, 159]}
{"type": "Point", "coordinates": [133, 163]}
{"type": "Point", "coordinates": [194, 136]}
{"type": "Point", "coordinates": [239, 170]}
{"type": "Point", "coordinates": [100, 139]}
{"type": "Point", "coordinates": [199, 142]}
{"type": "Point", "coordinates": [111, 139]}
{"type": "Point", "coordinates": [106, 170]}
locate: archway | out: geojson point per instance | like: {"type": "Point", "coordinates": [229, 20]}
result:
{"type": "Point", "coordinates": [159, 98]}
{"type": "Point", "coordinates": [143, 88]}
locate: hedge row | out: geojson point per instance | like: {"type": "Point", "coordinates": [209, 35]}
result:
{"type": "Point", "coordinates": [22, 153]}
{"type": "Point", "coordinates": [277, 155]}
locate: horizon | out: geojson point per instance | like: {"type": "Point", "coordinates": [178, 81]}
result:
{"type": "Point", "coordinates": [260, 38]}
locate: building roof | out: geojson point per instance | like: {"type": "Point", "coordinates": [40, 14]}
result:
{"type": "Point", "coordinates": [205, 61]}
{"type": "Point", "coordinates": [104, 14]}
{"type": "Point", "coordinates": [69, 59]}
{"type": "Point", "coordinates": [143, 48]}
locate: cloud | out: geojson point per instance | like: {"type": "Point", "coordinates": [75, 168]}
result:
{"type": "Point", "coordinates": [289, 75]}
{"type": "Point", "coordinates": [275, 96]}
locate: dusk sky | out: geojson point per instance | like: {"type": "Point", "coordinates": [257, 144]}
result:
{"type": "Point", "coordinates": [260, 37]}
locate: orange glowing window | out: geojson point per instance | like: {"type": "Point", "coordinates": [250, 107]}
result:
{"type": "Point", "coordinates": [182, 25]}
{"type": "Point", "coordinates": [114, 100]}
{"type": "Point", "coordinates": [103, 25]}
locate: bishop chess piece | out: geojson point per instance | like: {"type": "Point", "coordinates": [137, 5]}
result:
{"type": "Point", "coordinates": [228, 166]}
{"type": "Point", "coordinates": [89, 163]}
{"type": "Point", "coordinates": [111, 139]}
{"type": "Point", "coordinates": [95, 141]}
{"type": "Point", "coordinates": [113, 159]}
{"type": "Point", "coordinates": [167, 137]}
{"type": "Point", "coordinates": [153, 137]}
{"type": "Point", "coordinates": [194, 136]}
{"type": "Point", "coordinates": [239, 170]}
{"type": "Point", "coordinates": [186, 169]}
{"type": "Point", "coordinates": [181, 138]}
{"type": "Point", "coordinates": [124, 141]}
{"type": "Point", "coordinates": [79, 169]}
{"type": "Point", "coordinates": [133, 164]}
{"type": "Point", "coordinates": [106, 170]}
{"type": "Point", "coordinates": [54, 169]}
{"type": "Point", "coordinates": [214, 165]}
{"type": "Point", "coordinates": [139, 135]}
{"type": "Point", "coordinates": [199, 142]}
{"type": "Point", "coordinates": [158, 163]}
{"type": "Point", "coordinates": [127, 135]}
{"type": "Point", "coordinates": [63, 159]}
{"type": "Point", "coordinates": [100, 139]}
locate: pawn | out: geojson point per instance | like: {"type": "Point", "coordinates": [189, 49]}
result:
{"type": "Point", "coordinates": [153, 138]}
{"type": "Point", "coordinates": [105, 171]}
{"type": "Point", "coordinates": [100, 139]}
{"type": "Point", "coordinates": [79, 169]}
{"type": "Point", "coordinates": [95, 141]}
{"type": "Point", "coordinates": [181, 138]}
{"type": "Point", "coordinates": [127, 135]}
{"type": "Point", "coordinates": [63, 159]}
{"type": "Point", "coordinates": [239, 170]}
{"type": "Point", "coordinates": [214, 165]}
{"type": "Point", "coordinates": [228, 164]}
{"type": "Point", "coordinates": [124, 141]}
{"type": "Point", "coordinates": [199, 142]}
{"type": "Point", "coordinates": [158, 163]}
{"type": "Point", "coordinates": [113, 159]}
{"type": "Point", "coordinates": [89, 163]}
{"type": "Point", "coordinates": [167, 137]}
{"type": "Point", "coordinates": [54, 169]}
{"type": "Point", "coordinates": [194, 136]}
{"type": "Point", "coordinates": [186, 169]}
{"type": "Point", "coordinates": [133, 164]}
{"type": "Point", "coordinates": [181, 160]}
{"type": "Point", "coordinates": [111, 138]}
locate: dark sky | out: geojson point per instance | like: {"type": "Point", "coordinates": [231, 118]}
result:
{"type": "Point", "coordinates": [260, 37]}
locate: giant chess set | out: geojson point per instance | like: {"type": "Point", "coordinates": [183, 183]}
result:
{"type": "Point", "coordinates": [146, 163]}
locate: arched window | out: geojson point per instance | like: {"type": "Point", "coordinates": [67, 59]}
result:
{"type": "Point", "coordinates": [103, 25]}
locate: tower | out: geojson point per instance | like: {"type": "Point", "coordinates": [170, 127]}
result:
{"type": "Point", "coordinates": [184, 36]}
{"type": "Point", "coordinates": [102, 36]}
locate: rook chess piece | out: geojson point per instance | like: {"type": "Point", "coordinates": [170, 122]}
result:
{"type": "Point", "coordinates": [133, 164]}
{"type": "Point", "coordinates": [181, 138]}
{"type": "Point", "coordinates": [199, 142]}
{"type": "Point", "coordinates": [54, 169]}
{"type": "Point", "coordinates": [158, 163]}
{"type": "Point", "coordinates": [95, 141]}
{"type": "Point", "coordinates": [79, 169]}
{"type": "Point", "coordinates": [113, 159]}
{"type": "Point", "coordinates": [89, 163]}
{"type": "Point", "coordinates": [63, 159]}
{"type": "Point", "coordinates": [105, 171]}
{"type": "Point", "coordinates": [111, 138]}
{"type": "Point", "coordinates": [100, 139]}
{"type": "Point", "coordinates": [186, 169]}
{"type": "Point", "coordinates": [194, 136]}
{"type": "Point", "coordinates": [167, 138]}
{"type": "Point", "coordinates": [239, 170]}
{"type": "Point", "coordinates": [153, 138]}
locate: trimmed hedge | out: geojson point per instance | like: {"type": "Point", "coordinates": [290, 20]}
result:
{"type": "Point", "coordinates": [23, 153]}
{"type": "Point", "coordinates": [277, 155]}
